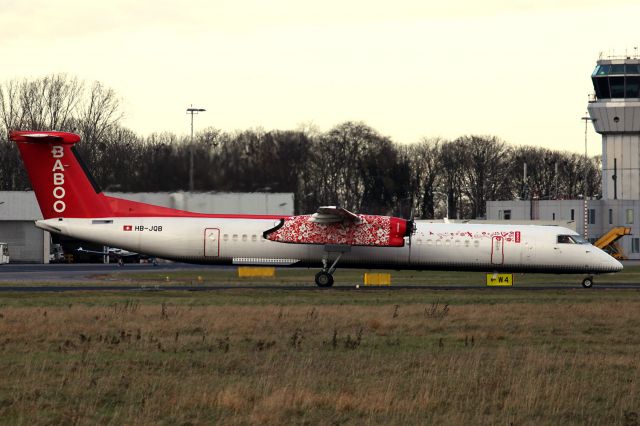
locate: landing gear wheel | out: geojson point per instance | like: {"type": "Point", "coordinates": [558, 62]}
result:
{"type": "Point", "coordinates": [587, 282]}
{"type": "Point", "coordinates": [324, 279]}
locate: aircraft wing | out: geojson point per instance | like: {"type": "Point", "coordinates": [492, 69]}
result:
{"type": "Point", "coordinates": [333, 214]}
{"type": "Point", "coordinates": [110, 252]}
{"type": "Point", "coordinates": [82, 250]}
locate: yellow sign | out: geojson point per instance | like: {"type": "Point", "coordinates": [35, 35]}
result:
{"type": "Point", "coordinates": [246, 271]}
{"type": "Point", "coordinates": [377, 279]}
{"type": "Point", "coordinates": [499, 280]}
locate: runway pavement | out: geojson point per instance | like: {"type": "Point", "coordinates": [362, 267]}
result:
{"type": "Point", "coordinates": [91, 277]}
{"type": "Point", "coordinates": [305, 287]}
{"type": "Point", "coordinates": [62, 272]}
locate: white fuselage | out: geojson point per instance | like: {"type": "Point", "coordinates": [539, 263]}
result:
{"type": "Point", "coordinates": [482, 247]}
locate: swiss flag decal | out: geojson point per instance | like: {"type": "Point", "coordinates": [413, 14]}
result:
{"type": "Point", "coordinates": [127, 228]}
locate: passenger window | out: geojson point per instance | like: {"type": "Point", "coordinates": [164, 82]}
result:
{"type": "Point", "coordinates": [235, 237]}
{"type": "Point", "coordinates": [254, 238]}
{"type": "Point", "coordinates": [476, 243]}
{"type": "Point", "coordinates": [226, 237]}
{"type": "Point", "coordinates": [244, 237]}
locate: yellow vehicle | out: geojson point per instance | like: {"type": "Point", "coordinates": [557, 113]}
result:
{"type": "Point", "coordinates": [609, 241]}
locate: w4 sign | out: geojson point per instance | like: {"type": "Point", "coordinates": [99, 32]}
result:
{"type": "Point", "coordinates": [499, 280]}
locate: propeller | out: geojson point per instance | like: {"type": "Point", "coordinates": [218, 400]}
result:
{"type": "Point", "coordinates": [411, 226]}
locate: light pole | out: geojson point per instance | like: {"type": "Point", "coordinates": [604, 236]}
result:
{"type": "Point", "coordinates": [586, 179]}
{"type": "Point", "coordinates": [191, 110]}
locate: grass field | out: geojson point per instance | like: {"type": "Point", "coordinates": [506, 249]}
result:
{"type": "Point", "coordinates": [321, 357]}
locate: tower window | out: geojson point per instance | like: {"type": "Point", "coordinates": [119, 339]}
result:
{"type": "Point", "coordinates": [617, 69]}
{"type": "Point", "coordinates": [631, 69]}
{"type": "Point", "coordinates": [601, 85]}
{"type": "Point", "coordinates": [632, 87]}
{"type": "Point", "coordinates": [617, 87]}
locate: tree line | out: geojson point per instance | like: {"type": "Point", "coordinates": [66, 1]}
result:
{"type": "Point", "coordinates": [351, 164]}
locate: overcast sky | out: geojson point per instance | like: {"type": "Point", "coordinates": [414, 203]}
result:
{"type": "Point", "coordinates": [519, 70]}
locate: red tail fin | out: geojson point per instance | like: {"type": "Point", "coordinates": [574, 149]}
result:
{"type": "Point", "coordinates": [65, 188]}
{"type": "Point", "coordinates": [62, 187]}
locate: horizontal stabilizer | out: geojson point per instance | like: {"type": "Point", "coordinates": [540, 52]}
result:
{"type": "Point", "coordinates": [44, 137]}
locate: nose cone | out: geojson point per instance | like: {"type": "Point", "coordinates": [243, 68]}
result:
{"type": "Point", "coordinates": [608, 263]}
{"type": "Point", "coordinates": [616, 266]}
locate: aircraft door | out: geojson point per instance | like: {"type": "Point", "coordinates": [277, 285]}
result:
{"type": "Point", "coordinates": [211, 242]}
{"type": "Point", "coordinates": [497, 250]}
{"type": "Point", "coordinates": [529, 251]}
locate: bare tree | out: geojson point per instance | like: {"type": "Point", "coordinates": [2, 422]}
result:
{"type": "Point", "coordinates": [10, 106]}
{"type": "Point", "coordinates": [454, 163]}
{"type": "Point", "coordinates": [353, 166]}
{"type": "Point", "coordinates": [487, 175]}
{"type": "Point", "coordinates": [422, 161]}
{"type": "Point", "coordinates": [99, 112]}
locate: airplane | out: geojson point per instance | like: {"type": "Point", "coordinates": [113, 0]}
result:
{"type": "Point", "coordinates": [117, 253]}
{"type": "Point", "coordinates": [73, 204]}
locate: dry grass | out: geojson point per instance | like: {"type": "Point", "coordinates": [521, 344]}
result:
{"type": "Point", "coordinates": [520, 363]}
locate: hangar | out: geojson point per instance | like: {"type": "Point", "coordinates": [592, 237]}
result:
{"type": "Point", "coordinates": [28, 244]}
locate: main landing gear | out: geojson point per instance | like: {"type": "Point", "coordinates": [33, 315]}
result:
{"type": "Point", "coordinates": [324, 278]}
{"type": "Point", "coordinates": [587, 282]}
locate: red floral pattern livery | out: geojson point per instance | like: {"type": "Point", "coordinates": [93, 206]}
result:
{"type": "Point", "coordinates": [508, 236]}
{"type": "Point", "coordinates": [379, 231]}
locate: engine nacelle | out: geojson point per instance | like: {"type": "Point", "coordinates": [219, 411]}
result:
{"type": "Point", "coordinates": [377, 231]}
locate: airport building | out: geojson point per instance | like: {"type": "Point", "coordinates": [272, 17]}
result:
{"type": "Point", "coordinates": [28, 244]}
{"type": "Point", "coordinates": [614, 110]}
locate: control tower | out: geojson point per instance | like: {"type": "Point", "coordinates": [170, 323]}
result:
{"type": "Point", "coordinates": [615, 113]}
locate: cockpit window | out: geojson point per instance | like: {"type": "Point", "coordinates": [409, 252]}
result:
{"type": "Point", "coordinates": [579, 240]}
{"type": "Point", "coordinates": [571, 239]}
